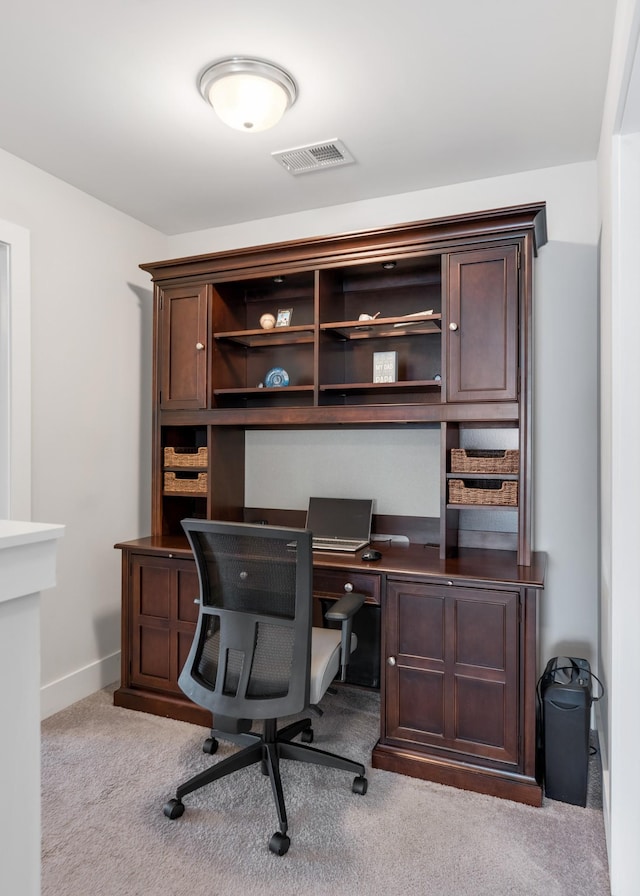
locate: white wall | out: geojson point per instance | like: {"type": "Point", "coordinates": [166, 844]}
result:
{"type": "Point", "coordinates": [285, 467]}
{"type": "Point", "coordinates": [565, 384]}
{"type": "Point", "coordinates": [91, 411]}
{"type": "Point", "coordinates": [619, 183]}
{"type": "Point", "coordinates": [571, 215]}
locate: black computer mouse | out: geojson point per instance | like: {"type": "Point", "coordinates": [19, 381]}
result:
{"type": "Point", "coordinates": [371, 554]}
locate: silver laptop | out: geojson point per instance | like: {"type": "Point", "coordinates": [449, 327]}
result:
{"type": "Point", "coordinates": [339, 524]}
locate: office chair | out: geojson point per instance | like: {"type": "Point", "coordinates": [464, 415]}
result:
{"type": "Point", "coordinates": [256, 657]}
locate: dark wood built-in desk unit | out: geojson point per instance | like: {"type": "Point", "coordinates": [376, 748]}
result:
{"type": "Point", "coordinates": [456, 606]}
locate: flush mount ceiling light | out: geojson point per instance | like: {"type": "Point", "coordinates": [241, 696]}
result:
{"type": "Point", "coordinates": [248, 94]}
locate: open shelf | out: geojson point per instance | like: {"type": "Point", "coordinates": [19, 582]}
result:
{"type": "Point", "coordinates": [406, 325]}
{"type": "Point", "coordinates": [506, 476]}
{"type": "Point", "coordinates": [263, 391]}
{"type": "Point", "coordinates": [403, 385]}
{"type": "Point", "coordinates": [293, 335]}
{"type": "Point", "coordinates": [482, 507]}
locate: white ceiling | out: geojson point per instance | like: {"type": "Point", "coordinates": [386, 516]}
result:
{"type": "Point", "coordinates": [422, 92]}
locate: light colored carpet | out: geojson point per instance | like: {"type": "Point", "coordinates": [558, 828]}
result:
{"type": "Point", "coordinates": [107, 772]}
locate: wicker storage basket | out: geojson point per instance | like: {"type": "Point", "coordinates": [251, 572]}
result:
{"type": "Point", "coordinates": [175, 483]}
{"type": "Point", "coordinates": [186, 457]}
{"type": "Point", "coordinates": [465, 460]}
{"type": "Point", "coordinates": [485, 492]}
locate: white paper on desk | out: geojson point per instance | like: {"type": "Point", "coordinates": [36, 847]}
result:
{"type": "Point", "coordinates": [395, 539]}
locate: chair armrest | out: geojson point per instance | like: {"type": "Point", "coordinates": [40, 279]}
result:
{"type": "Point", "coordinates": [345, 607]}
{"type": "Point", "coordinates": [343, 611]}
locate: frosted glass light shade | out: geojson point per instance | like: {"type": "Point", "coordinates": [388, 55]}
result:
{"type": "Point", "coordinates": [248, 94]}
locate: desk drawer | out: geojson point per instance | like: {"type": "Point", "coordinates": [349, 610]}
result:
{"type": "Point", "coordinates": [336, 582]}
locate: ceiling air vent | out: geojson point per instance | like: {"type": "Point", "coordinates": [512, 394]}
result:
{"type": "Point", "coordinates": [304, 159]}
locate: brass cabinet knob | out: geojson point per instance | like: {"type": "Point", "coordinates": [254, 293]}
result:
{"type": "Point", "coordinates": [199, 346]}
{"type": "Point", "coordinates": [453, 326]}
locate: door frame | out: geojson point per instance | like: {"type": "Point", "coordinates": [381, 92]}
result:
{"type": "Point", "coordinates": [15, 372]}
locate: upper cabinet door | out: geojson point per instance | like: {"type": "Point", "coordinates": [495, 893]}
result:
{"type": "Point", "coordinates": [184, 338]}
{"type": "Point", "coordinates": [482, 325]}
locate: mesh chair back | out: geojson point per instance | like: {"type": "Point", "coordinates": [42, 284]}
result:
{"type": "Point", "coordinates": [250, 656]}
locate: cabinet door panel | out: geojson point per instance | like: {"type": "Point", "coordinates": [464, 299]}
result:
{"type": "Point", "coordinates": [163, 617]}
{"type": "Point", "coordinates": [153, 590]}
{"type": "Point", "coordinates": [153, 653]}
{"type": "Point", "coordinates": [188, 591]}
{"type": "Point", "coordinates": [485, 666]}
{"type": "Point", "coordinates": [480, 633]}
{"type": "Point", "coordinates": [451, 675]}
{"type": "Point", "coordinates": [414, 668]}
{"type": "Point", "coordinates": [420, 626]}
{"type": "Point", "coordinates": [183, 359]}
{"type": "Point", "coordinates": [421, 697]}
{"type": "Point", "coordinates": [482, 336]}
{"type": "Point", "coordinates": [480, 718]}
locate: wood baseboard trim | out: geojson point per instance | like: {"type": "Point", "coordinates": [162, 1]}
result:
{"type": "Point", "coordinates": [478, 780]}
{"type": "Point", "coordinates": [170, 707]}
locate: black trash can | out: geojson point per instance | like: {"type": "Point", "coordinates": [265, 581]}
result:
{"type": "Point", "coordinates": [566, 698]}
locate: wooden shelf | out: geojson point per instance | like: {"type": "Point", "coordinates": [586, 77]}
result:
{"type": "Point", "coordinates": [399, 386]}
{"type": "Point", "coordinates": [185, 469]}
{"type": "Point", "coordinates": [345, 330]}
{"type": "Point", "coordinates": [482, 506]}
{"type": "Point", "coordinates": [295, 335]}
{"type": "Point", "coordinates": [384, 326]}
{"type": "Point", "coordinates": [266, 391]}
{"type": "Point", "coordinates": [514, 477]}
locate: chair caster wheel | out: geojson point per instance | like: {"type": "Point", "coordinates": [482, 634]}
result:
{"type": "Point", "coordinates": [359, 785]}
{"type": "Point", "coordinates": [307, 736]}
{"type": "Point", "coordinates": [174, 809]}
{"type": "Point", "coordinates": [279, 844]}
{"type": "Point", "coordinates": [210, 746]}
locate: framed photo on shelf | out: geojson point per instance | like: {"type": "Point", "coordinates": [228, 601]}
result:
{"type": "Point", "coordinates": [385, 367]}
{"type": "Point", "coordinates": [284, 317]}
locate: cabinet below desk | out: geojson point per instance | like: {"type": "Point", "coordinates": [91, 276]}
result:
{"type": "Point", "coordinates": [159, 615]}
{"type": "Point", "coordinates": [458, 694]}
{"type": "Point", "coordinates": [458, 646]}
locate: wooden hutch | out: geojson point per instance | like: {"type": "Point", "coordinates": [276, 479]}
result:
{"type": "Point", "coordinates": [458, 605]}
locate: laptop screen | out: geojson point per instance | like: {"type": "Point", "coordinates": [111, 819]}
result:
{"type": "Point", "coordinates": [340, 517]}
